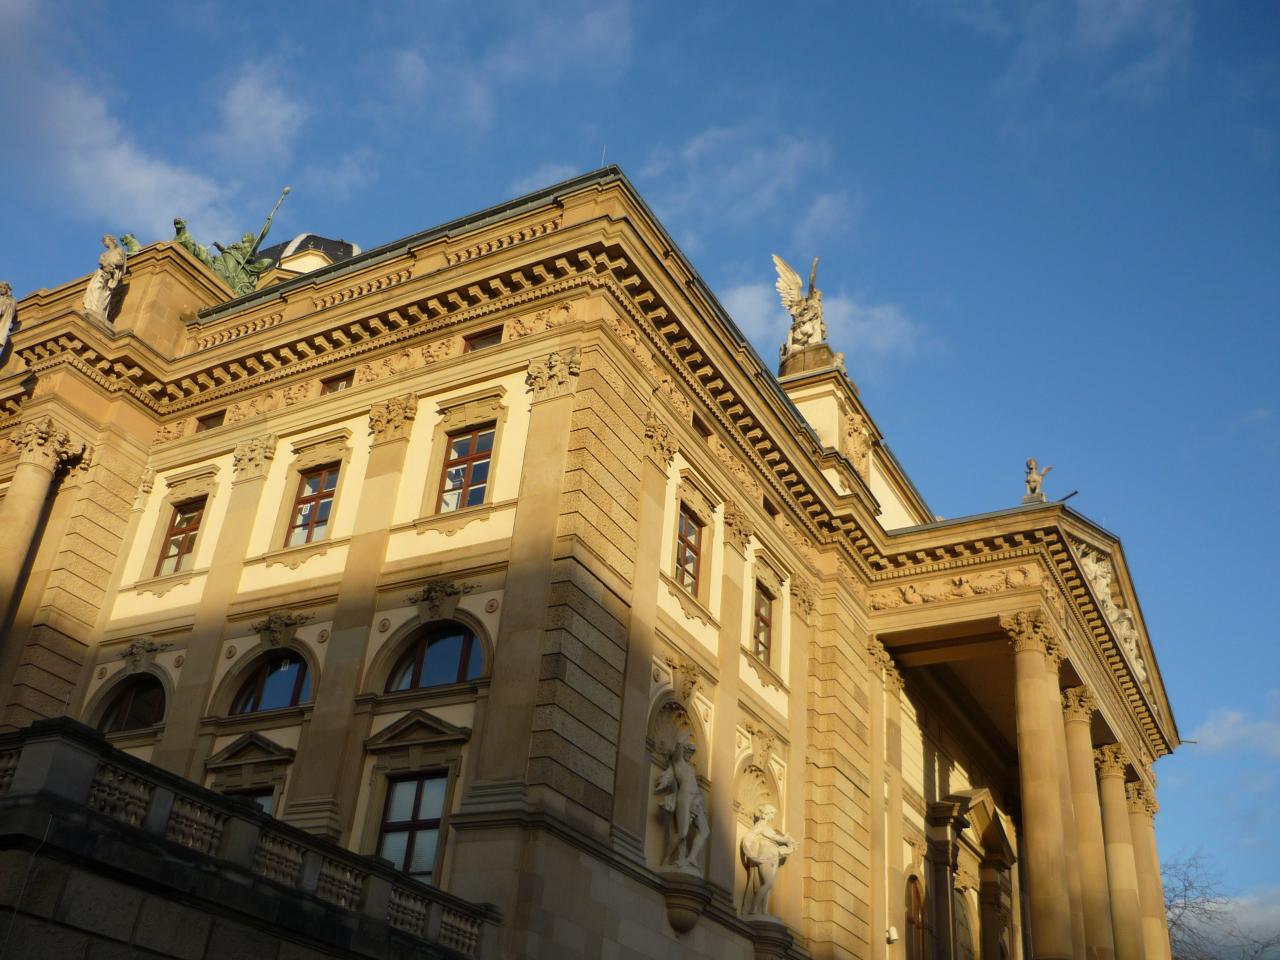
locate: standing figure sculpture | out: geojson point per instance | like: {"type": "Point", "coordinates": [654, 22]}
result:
{"type": "Point", "coordinates": [8, 310]}
{"type": "Point", "coordinates": [763, 851]}
{"type": "Point", "coordinates": [1035, 481]}
{"type": "Point", "coordinates": [102, 286]}
{"type": "Point", "coordinates": [236, 264]}
{"type": "Point", "coordinates": [807, 324]}
{"type": "Point", "coordinates": [684, 801]}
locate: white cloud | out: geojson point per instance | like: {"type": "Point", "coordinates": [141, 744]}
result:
{"type": "Point", "coordinates": [1229, 729]}
{"type": "Point", "coordinates": [758, 313]}
{"type": "Point", "coordinates": [348, 172]}
{"type": "Point", "coordinates": [541, 176]}
{"type": "Point", "coordinates": [259, 118]}
{"type": "Point", "coordinates": [830, 215]}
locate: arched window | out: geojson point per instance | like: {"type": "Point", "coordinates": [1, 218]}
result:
{"type": "Point", "coordinates": [279, 680]}
{"type": "Point", "coordinates": [917, 949]}
{"type": "Point", "coordinates": [445, 652]}
{"type": "Point", "coordinates": [138, 704]}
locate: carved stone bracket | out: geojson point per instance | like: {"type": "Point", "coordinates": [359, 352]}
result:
{"type": "Point", "coordinates": [439, 598]}
{"type": "Point", "coordinates": [279, 626]}
{"type": "Point", "coordinates": [46, 443]}
{"type": "Point", "coordinates": [764, 672]}
{"type": "Point", "coordinates": [1077, 704]}
{"type": "Point", "coordinates": [554, 375]}
{"type": "Point", "coordinates": [142, 652]}
{"type": "Point", "coordinates": [1111, 760]}
{"type": "Point", "coordinates": [686, 897]}
{"type": "Point", "coordinates": [252, 458]}
{"type": "Point", "coordinates": [393, 419]}
{"type": "Point", "coordinates": [659, 440]}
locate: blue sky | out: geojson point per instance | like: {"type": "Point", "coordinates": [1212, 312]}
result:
{"type": "Point", "coordinates": [1047, 229]}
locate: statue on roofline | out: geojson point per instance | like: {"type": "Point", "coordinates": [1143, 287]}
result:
{"type": "Point", "coordinates": [235, 264]}
{"type": "Point", "coordinates": [1035, 481]}
{"type": "Point", "coordinates": [807, 325]}
{"type": "Point", "coordinates": [8, 310]}
{"type": "Point", "coordinates": [101, 290]}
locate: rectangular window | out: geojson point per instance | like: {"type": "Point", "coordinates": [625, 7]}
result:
{"type": "Point", "coordinates": [410, 832]}
{"type": "Point", "coordinates": [312, 505]}
{"type": "Point", "coordinates": [177, 551]}
{"type": "Point", "coordinates": [210, 420]}
{"type": "Point", "coordinates": [264, 799]}
{"type": "Point", "coordinates": [485, 338]}
{"type": "Point", "coordinates": [337, 384]}
{"type": "Point", "coordinates": [688, 550]}
{"type": "Point", "coordinates": [465, 477]}
{"type": "Point", "coordinates": [762, 624]}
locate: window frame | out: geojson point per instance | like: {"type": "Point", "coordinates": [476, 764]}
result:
{"type": "Point", "coordinates": [695, 547]}
{"type": "Point", "coordinates": [337, 383]}
{"type": "Point", "coordinates": [257, 673]}
{"type": "Point", "coordinates": [456, 414]}
{"type": "Point", "coordinates": [210, 421]}
{"type": "Point", "coordinates": [128, 688]}
{"type": "Point", "coordinates": [472, 648]}
{"type": "Point", "coordinates": [188, 535]}
{"type": "Point", "coordinates": [469, 461]}
{"type": "Point", "coordinates": [763, 618]}
{"type": "Point", "coordinates": [322, 470]}
{"type": "Point", "coordinates": [415, 826]}
{"type": "Point", "coordinates": [472, 342]}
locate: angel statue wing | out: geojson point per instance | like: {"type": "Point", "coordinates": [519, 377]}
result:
{"type": "Point", "coordinates": [790, 286]}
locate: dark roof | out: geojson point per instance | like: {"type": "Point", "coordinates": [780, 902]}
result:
{"type": "Point", "coordinates": [335, 250]}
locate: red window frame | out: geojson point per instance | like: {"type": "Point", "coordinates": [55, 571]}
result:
{"type": "Point", "coordinates": [762, 623]}
{"type": "Point", "coordinates": [689, 532]}
{"type": "Point", "coordinates": [324, 492]}
{"type": "Point", "coordinates": [415, 825]}
{"type": "Point", "coordinates": [468, 461]}
{"type": "Point", "coordinates": [182, 531]}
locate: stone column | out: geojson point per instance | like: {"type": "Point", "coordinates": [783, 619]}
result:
{"type": "Point", "coordinates": [180, 749]}
{"type": "Point", "coordinates": [632, 781]}
{"type": "Point", "coordinates": [1074, 887]}
{"type": "Point", "coordinates": [1122, 874]}
{"type": "Point", "coordinates": [877, 660]}
{"type": "Point", "coordinates": [893, 687]}
{"type": "Point", "coordinates": [326, 776]}
{"type": "Point", "coordinates": [44, 447]}
{"type": "Point", "coordinates": [1155, 925]}
{"type": "Point", "coordinates": [1078, 715]}
{"type": "Point", "coordinates": [1044, 850]}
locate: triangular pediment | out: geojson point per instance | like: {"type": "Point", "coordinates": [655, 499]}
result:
{"type": "Point", "coordinates": [418, 727]}
{"type": "Point", "coordinates": [251, 748]}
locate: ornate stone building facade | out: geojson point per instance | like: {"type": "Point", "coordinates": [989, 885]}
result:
{"type": "Point", "coordinates": [497, 552]}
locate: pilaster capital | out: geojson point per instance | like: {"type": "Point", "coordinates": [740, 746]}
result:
{"type": "Point", "coordinates": [881, 661]}
{"type": "Point", "coordinates": [1027, 631]}
{"type": "Point", "coordinates": [46, 443]}
{"type": "Point", "coordinates": [554, 375]}
{"type": "Point", "coordinates": [1140, 799]}
{"type": "Point", "coordinates": [804, 598]}
{"type": "Point", "coordinates": [660, 442]}
{"type": "Point", "coordinates": [252, 458]}
{"type": "Point", "coordinates": [737, 528]}
{"type": "Point", "coordinates": [1077, 704]}
{"type": "Point", "coordinates": [392, 419]}
{"type": "Point", "coordinates": [1111, 760]}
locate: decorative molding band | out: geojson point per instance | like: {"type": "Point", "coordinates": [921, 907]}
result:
{"type": "Point", "coordinates": [494, 244]}
{"type": "Point", "coordinates": [362, 289]}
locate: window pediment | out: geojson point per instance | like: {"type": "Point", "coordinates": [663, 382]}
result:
{"type": "Point", "coordinates": [250, 748]}
{"type": "Point", "coordinates": [417, 728]}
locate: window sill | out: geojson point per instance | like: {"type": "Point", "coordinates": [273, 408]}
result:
{"type": "Point", "coordinates": [453, 521]}
{"type": "Point", "coordinates": [294, 557]}
{"type": "Point", "coordinates": [444, 695]}
{"type": "Point", "coordinates": [159, 586]}
{"type": "Point", "coordinates": [262, 720]}
{"type": "Point", "coordinates": [141, 737]}
{"type": "Point", "coordinates": [767, 677]}
{"type": "Point", "coordinates": [693, 608]}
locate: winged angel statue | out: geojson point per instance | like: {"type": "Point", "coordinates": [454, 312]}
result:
{"type": "Point", "coordinates": [807, 325]}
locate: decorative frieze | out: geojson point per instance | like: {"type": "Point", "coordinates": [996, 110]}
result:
{"type": "Point", "coordinates": [251, 459]}
{"type": "Point", "coordinates": [956, 588]}
{"type": "Point", "coordinates": [659, 440]}
{"type": "Point", "coordinates": [392, 419]}
{"type": "Point", "coordinates": [494, 244]}
{"type": "Point", "coordinates": [362, 289]}
{"type": "Point", "coordinates": [253, 407]}
{"type": "Point", "coordinates": [554, 375]}
{"type": "Point", "coordinates": [1100, 572]}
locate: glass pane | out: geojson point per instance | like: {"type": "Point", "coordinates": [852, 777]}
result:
{"type": "Point", "coordinates": [331, 480]}
{"type": "Point", "coordinates": [431, 803]}
{"type": "Point", "coordinates": [266, 801]}
{"type": "Point", "coordinates": [297, 536]}
{"type": "Point", "coordinates": [278, 689]}
{"type": "Point", "coordinates": [484, 442]}
{"type": "Point", "coordinates": [450, 501]}
{"type": "Point", "coordinates": [480, 471]}
{"type": "Point", "coordinates": [147, 708]}
{"type": "Point", "coordinates": [402, 678]}
{"type": "Point", "coordinates": [303, 515]}
{"type": "Point", "coordinates": [400, 804]}
{"type": "Point", "coordinates": [424, 853]}
{"type": "Point", "coordinates": [475, 664]}
{"type": "Point", "coordinates": [185, 561]}
{"type": "Point", "coordinates": [475, 495]}
{"type": "Point", "coordinates": [454, 477]}
{"type": "Point", "coordinates": [323, 509]}
{"type": "Point", "coordinates": [311, 485]}
{"type": "Point", "coordinates": [459, 447]}
{"type": "Point", "coordinates": [440, 664]}
{"type": "Point", "coordinates": [393, 848]}
{"type": "Point", "coordinates": [304, 694]}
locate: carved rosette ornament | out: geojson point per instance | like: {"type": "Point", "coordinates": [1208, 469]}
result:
{"type": "Point", "coordinates": [393, 419]}
{"type": "Point", "coordinates": [279, 627]}
{"type": "Point", "coordinates": [1027, 631]}
{"type": "Point", "coordinates": [1077, 704]}
{"type": "Point", "coordinates": [1140, 800]}
{"type": "Point", "coordinates": [252, 459]}
{"type": "Point", "coordinates": [1111, 760]}
{"type": "Point", "coordinates": [659, 440]}
{"type": "Point", "coordinates": [737, 528]}
{"type": "Point", "coordinates": [554, 375]}
{"type": "Point", "coordinates": [47, 444]}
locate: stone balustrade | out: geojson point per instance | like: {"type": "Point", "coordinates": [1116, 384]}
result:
{"type": "Point", "coordinates": [65, 773]}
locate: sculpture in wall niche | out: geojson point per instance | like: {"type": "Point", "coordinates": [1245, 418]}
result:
{"type": "Point", "coordinates": [8, 310]}
{"type": "Point", "coordinates": [807, 325]}
{"type": "Point", "coordinates": [102, 286]}
{"type": "Point", "coordinates": [1035, 481]}
{"type": "Point", "coordinates": [684, 801]}
{"type": "Point", "coordinates": [763, 851]}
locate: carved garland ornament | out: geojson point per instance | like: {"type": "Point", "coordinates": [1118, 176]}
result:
{"type": "Point", "coordinates": [955, 588]}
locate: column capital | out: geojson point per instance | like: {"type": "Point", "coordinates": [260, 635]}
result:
{"type": "Point", "coordinates": [881, 661]}
{"type": "Point", "coordinates": [555, 375]}
{"type": "Point", "coordinates": [252, 458]}
{"type": "Point", "coordinates": [1111, 760]}
{"type": "Point", "coordinates": [1077, 704]}
{"type": "Point", "coordinates": [392, 419]}
{"type": "Point", "coordinates": [659, 441]}
{"type": "Point", "coordinates": [1027, 631]}
{"type": "Point", "coordinates": [737, 526]}
{"type": "Point", "coordinates": [1140, 799]}
{"type": "Point", "coordinates": [46, 443]}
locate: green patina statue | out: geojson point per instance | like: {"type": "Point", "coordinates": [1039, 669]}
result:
{"type": "Point", "coordinates": [236, 264]}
